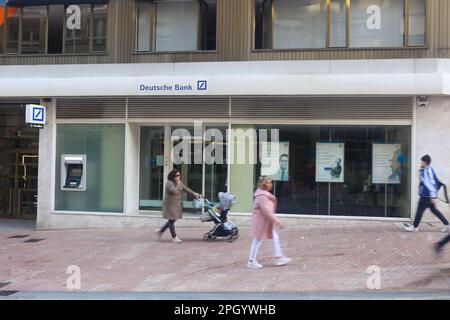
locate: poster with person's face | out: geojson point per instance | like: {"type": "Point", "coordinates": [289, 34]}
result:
{"type": "Point", "coordinates": [275, 160]}
{"type": "Point", "coordinates": [386, 163]}
{"type": "Point", "coordinates": [330, 162]}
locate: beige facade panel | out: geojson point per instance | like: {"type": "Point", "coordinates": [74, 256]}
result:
{"type": "Point", "coordinates": [234, 41]}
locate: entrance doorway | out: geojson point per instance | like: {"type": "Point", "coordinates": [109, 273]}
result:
{"type": "Point", "coordinates": [18, 164]}
{"type": "Point", "coordinates": [156, 162]}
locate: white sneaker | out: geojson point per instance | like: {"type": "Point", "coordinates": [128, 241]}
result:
{"type": "Point", "coordinates": [410, 228]}
{"type": "Point", "coordinates": [176, 240]}
{"type": "Point", "coordinates": [282, 261]}
{"type": "Point", "coordinates": [254, 264]}
{"type": "Point", "coordinates": [446, 229]}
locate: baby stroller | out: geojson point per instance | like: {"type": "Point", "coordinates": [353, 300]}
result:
{"type": "Point", "coordinates": [219, 215]}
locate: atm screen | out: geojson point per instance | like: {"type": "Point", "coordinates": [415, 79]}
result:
{"type": "Point", "coordinates": [75, 172]}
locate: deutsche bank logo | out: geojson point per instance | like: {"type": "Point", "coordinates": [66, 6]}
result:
{"type": "Point", "coordinates": [202, 85]}
{"type": "Point", "coordinates": [38, 114]}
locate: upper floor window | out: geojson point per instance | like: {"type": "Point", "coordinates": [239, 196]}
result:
{"type": "Point", "coordinates": [58, 28]}
{"type": "Point", "coordinates": [175, 25]}
{"type": "Point", "coordinates": [287, 24]}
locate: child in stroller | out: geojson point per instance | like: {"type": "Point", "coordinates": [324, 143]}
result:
{"type": "Point", "coordinates": [219, 215]}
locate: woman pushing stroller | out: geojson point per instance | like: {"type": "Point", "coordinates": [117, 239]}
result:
{"type": "Point", "coordinates": [172, 205]}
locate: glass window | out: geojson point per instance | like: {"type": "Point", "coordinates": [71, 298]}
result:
{"type": "Point", "coordinates": [12, 30]}
{"type": "Point", "coordinates": [99, 27]}
{"type": "Point", "coordinates": [143, 27]}
{"type": "Point", "coordinates": [338, 25]}
{"type": "Point", "coordinates": [376, 23]}
{"type": "Point", "coordinates": [177, 25]}
{"type": "Point", "coordinates": [416, 25]}
{"type": "Point", "coordinates": [104, 147]}
{"type": "Point", "coordinates": [364, 191]}
{"type": "Point", "coordinates": [299, 24]}
{"type": "Point", "coordinates": [2, 26]}
{"type": "Point", "coordinates": [34, 29]}
{"type": "Point", "coordinates": [151, 174]}
{"type": "Point", "coordinates": [77, 32]}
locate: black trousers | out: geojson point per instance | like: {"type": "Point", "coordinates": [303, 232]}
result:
{"type": "Point", "coordinates": [444, 241]}
{"type": "Point", "coordinates": [425, 203]}
{"type": "Point", "coordinates": [171, 225]}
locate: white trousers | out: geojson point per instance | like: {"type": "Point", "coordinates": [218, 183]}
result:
{"type": "Point", "coordinates": [257, 243]}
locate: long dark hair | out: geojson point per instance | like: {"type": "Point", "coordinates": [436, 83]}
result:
{"type": "Point", "coordinates": [172, 174]}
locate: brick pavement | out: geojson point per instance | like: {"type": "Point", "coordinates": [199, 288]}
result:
{"type": "Point", "coordinates": [330, 255]}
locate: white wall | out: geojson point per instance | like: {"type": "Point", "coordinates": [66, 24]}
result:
{"type": "Point", "coordinates": [433, 138]}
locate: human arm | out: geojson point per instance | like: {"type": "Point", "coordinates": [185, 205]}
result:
{"type": "Point", "coordinates": [188, 190]}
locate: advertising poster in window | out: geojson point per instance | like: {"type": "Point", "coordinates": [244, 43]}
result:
{"type": "Point", "coordinates": [275, 160]}
{"type": "Point", "coordinates": [386, 163]}
{"type": "Point", "coordinates": [330, 162]}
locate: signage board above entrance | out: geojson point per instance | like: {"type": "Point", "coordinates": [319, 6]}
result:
{"type": "Point", "coordinates": [173, 86]}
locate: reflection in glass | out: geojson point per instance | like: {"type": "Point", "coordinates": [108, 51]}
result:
{"type": "Point", "coordinates": [99, 28]}
{"type": "Point", "coordinates": [376, 23]}
{"type": "Point", "coordinates": [416, 28]}
{"type": "Point", "coordinates": [299, 24]}
{"type": "Point", "coordinates": [34, 29]}
{"type": "Point", "coordinates": [77, 40]}
{"type": "Point", "coordinates": [12, 30]}
{"type": "Point", "coordinates": [151, 173]}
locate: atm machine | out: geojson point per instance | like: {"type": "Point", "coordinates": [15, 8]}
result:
{"type": "Point", "coordinates": [73, 172]}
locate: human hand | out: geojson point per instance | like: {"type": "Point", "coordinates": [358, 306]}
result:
{"type": "Point", "coordinates": [279, 225]}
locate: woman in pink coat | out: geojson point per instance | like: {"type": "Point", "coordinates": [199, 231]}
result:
{"type": "Point", "coordinates": [263, 223]}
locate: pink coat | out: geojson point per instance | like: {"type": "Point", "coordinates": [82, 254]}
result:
{"type": "Point", "coordinates": [263, 219]}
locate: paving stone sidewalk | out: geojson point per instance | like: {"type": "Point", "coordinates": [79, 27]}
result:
{"type": "Point", "coordinates": [328, 256]}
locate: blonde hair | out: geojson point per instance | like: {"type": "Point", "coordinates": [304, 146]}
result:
{"type": "Point", "coordinates": [263, 181]}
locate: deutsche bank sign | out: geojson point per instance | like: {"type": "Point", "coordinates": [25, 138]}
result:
{"type": "Point", "coordinates": [173, 87]}
{"type": "Point", "coordinates": [35, 115]}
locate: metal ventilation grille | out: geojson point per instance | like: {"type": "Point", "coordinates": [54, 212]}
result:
{"type": "Point", "coordinates": [91, 108]}
{"type": "Point", "coordinates": [178, 107]}
{"type": "Point", "coordinates": [320, 108]}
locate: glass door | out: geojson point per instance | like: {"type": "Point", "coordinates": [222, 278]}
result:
{"type": "Point", "coordinates": [200, 155]}
{"type": "Point", "coordinates": [151, 173]}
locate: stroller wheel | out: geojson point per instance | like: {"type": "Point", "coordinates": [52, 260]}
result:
{"type": "Point", "coordinates": [230, 238]}
{"type": "Point", "coordinates": [207, 236]}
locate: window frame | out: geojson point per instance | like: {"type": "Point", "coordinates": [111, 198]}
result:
{"type": "Point", "coordinates": [328, 46]}
{"type": "Point", "coordinates": [4, 30]}
{"type": "Point", "coordinates": [153, 21]}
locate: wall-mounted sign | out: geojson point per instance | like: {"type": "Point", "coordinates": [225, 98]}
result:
{"type": "Point", "coordinates": [35, 115]}
{"type": "Point", "coordinates": [387, 162]}
{"type": "Point", "coordinates": [330, 162]}
{"type": "Point", "coordinates": [183, 86]}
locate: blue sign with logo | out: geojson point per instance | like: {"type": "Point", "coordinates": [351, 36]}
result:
{"type": "Point", "coordinates": [202, 85]}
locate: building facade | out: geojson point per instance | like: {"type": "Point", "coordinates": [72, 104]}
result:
{"type": "Point", "coordinates": [348, 93]}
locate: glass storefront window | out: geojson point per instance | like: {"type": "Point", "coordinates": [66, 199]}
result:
{"type": "Point", "coordinates": [216, 172]}
{"type": "Point", "coordinates": [77, 33]}
{"type": "Point", "coordinates": [299, 24]}
{"type": "Point", "coordinates": [151, 173]}
{"type": "Point", "coordinates": [376, 23]}
{"type": "Point", "coordinates": [416, 25]}
{"type": "Point", "coordinates": [34, 29]}
{"type": "Point", "coordinates": [364, 191]}
{"type": "Point", "coordinates": [104, 147]}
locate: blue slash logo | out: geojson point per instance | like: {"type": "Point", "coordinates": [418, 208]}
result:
{"type": "Point", "coordinates": [38, 114]}
{"type": "Point", "coordinates": [202, 85]}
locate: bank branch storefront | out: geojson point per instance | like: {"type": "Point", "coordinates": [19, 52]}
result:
{"type": "Point", "coordinates": [335, 144]}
